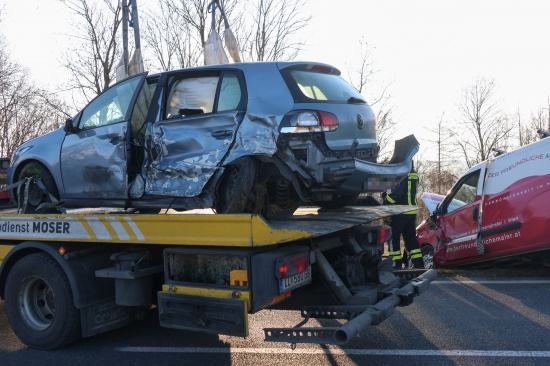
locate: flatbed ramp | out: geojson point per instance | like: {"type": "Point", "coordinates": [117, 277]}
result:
{"type": "Point", "coordinates": [187, 228]}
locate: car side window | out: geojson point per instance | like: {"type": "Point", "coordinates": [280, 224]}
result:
{"type": "Point", "coordinates": [192, 96]}
{"type": "Point", "coordinates": [111, 106]}
{"type": "Point", "coordinates": [464, 194]}
{"type": "Point", "coordinates": [230, 92]}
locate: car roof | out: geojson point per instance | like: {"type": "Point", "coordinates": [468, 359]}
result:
{"type": "Point", "coordinates": [305, 65]}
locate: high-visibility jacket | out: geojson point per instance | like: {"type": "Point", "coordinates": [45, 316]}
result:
{"type": "Point", "coordinates": [404, 192]}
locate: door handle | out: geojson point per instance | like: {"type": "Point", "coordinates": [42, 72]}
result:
{"type": "Point", "coordinates": [222, 134]}
{"type": "Point", "coordinates": [114, 140]}
{"type": "Point", "coordinates": [476, 213]}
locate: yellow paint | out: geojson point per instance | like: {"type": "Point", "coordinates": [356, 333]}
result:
{"type": "Point", "coordinates": [210, 292]}
{"type": "Point", "coordinates": [238, 277]}
{"type": "Point", "coordinates": [4, 250]}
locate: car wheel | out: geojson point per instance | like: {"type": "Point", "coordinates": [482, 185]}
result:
{"type": "Point", "coordinates": [36, 195]}
{"type": "Point", "coordinates": [428, 256]}
{"type": "Point", "coordinates": [39, 303]}
{"type": "Point", "coordinates": [338, 201]}
{"type": "Point", "coordinates": [235, 193]}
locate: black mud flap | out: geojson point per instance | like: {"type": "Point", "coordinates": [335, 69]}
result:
{"type": "Point", "coordinates": [104, 316]}
{"type": "Point", "coordinates": [203, 314]}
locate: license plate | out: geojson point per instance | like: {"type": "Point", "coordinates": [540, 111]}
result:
{"type": "Point", "coordinates": [292, 282]}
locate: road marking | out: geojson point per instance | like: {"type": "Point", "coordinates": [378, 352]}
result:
{"type": "Point", "coordinates": [339, 351]}
{"type": "Point", "coordinates": [485, 282]}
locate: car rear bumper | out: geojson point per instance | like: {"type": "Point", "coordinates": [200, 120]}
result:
{"type": "Point", "coordinates": [374, 177]}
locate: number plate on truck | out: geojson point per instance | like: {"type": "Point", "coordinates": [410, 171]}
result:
{"type": "Point", "coordinates": [292, 282]}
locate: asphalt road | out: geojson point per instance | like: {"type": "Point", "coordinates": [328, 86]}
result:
{"type": "Point", "coordinates": [489, 317]}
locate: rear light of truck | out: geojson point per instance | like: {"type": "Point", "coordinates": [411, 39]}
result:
{"type": "Point", "coordinates": [293, 272]}
{"type": "Point", "coordinates": [293, 265]}
{"type": "Point", "coordinates": [310, 121]}
{"type": "Point", "coordinates": [384, 234]}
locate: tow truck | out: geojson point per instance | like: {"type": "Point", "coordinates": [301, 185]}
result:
{"type": "Point", "coordinates": [64, 276]}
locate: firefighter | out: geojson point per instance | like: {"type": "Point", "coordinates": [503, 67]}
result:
{"type": "Point", "coordinates": [404, 224]}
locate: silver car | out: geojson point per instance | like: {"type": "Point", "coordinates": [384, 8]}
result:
{"type": "Point", "coordinates": [260, 137]}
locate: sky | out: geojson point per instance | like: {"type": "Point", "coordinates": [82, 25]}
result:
{"type": "Point", "coordinates": [429, 50]}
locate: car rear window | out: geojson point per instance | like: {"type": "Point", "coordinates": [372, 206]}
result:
{"type": "Point", "coordinates": [313, 86]}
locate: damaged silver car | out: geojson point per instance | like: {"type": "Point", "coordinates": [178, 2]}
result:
{"type": "Point", "coordinates": [260, 137]}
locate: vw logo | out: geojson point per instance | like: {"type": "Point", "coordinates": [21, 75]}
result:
{"type": "Point", "coordinates": [360, 121]}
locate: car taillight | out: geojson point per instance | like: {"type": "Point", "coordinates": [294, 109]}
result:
{"type": "Point", "coordinates": [292, 265]}
{"type": "Point", "coordinates": [311, 121]}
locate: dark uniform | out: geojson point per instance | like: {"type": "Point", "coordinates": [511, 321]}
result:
{"type": "Point", "coordinates": [405, 224]}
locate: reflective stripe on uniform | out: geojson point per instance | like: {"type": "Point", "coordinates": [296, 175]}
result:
{"type": "Point", "coordinates": [411, 199]}
{"type": "Point", "coordinates": [389, 199]}
{"type": "Point", "coordinates": [396, 255]}
{"type": "Point", "coordinates": [416, 253]}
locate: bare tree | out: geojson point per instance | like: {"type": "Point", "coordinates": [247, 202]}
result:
{"type": "Point", "coordinates": [178, 32]}
{"type": "Point", "coordinates": [483, 126]}
{"type": "Point", "coordinates": [275, 25]}
{"type": "Point", "coordinates": [539, 120]}
{"type": "Point", "coordinates": [26, 111]}
{"type": "Point", "coordinates": [362, 76]}
{"type": "Point", "coordinates": [265, 29]}
{"type": "Point", "coordinates": [172, 39]}
{"type": "Point", "coordinates": [92, 63]}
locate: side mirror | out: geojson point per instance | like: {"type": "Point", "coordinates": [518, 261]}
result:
{"type": "Point", "coordinates": [69, 127]}
{"type": "Point", "coordinates": [431, 222]}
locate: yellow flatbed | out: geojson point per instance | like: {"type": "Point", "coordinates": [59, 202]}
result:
{"type": "Point", "coordinates": [198, 228]}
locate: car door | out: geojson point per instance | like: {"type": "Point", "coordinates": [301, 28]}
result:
{"type": "Point", "coordinates": [458, 218]}
{"type": "Point", "coordinates": [94, 156]}
{"type": "Point", "coordinates": [196, 129]}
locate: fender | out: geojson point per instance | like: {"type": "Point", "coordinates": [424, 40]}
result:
{"type": "Point", "coordinates": [79, 264]}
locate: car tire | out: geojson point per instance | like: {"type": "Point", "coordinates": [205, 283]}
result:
{"type": "Point", "coordinates": [235, 193]}
{"type": "Point", "coordinates": [338, 201]}
{"type": "Point", "coordinates": [36, 196]}
{"type": "Point", "coordinates": [428, 256]}
{"type": "Point", "coordinates": [39, 303]}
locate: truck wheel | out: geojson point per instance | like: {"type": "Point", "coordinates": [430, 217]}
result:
{"type": "Point", "coordinates": [39, 303]}
{"type": "Point", "coordinates": [36, 196]}
{"type": "Point", "coordinates": [338, 201]}
{"type": "Point", "coordinates": [235, 191]}
{"type": "Point", "coordinates": [428, 256]}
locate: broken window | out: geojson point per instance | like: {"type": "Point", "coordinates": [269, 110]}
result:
{"type": "Point", "coordinates": [192, 96]}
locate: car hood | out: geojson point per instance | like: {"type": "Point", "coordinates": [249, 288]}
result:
{"type": "Point", "coordinates": [44, 149]}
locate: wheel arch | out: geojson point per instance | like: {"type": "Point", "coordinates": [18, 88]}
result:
{"type": "Point", "coordinates": [86, 288]}
{"type": "Point", "coordinates": [22, 164]}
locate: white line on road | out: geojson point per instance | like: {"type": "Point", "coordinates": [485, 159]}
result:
{"type": "Point", "coordinates": [485, 282]}
{"type": "Point", "coordinates": [336, 351]}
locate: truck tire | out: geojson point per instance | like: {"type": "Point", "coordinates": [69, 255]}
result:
{"type": "Point", "coordinates": [39, 303]}
{"type": "Point", "coordinates": [36, 196]}
{"type": "Point", "coordinates": [235, 193]}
